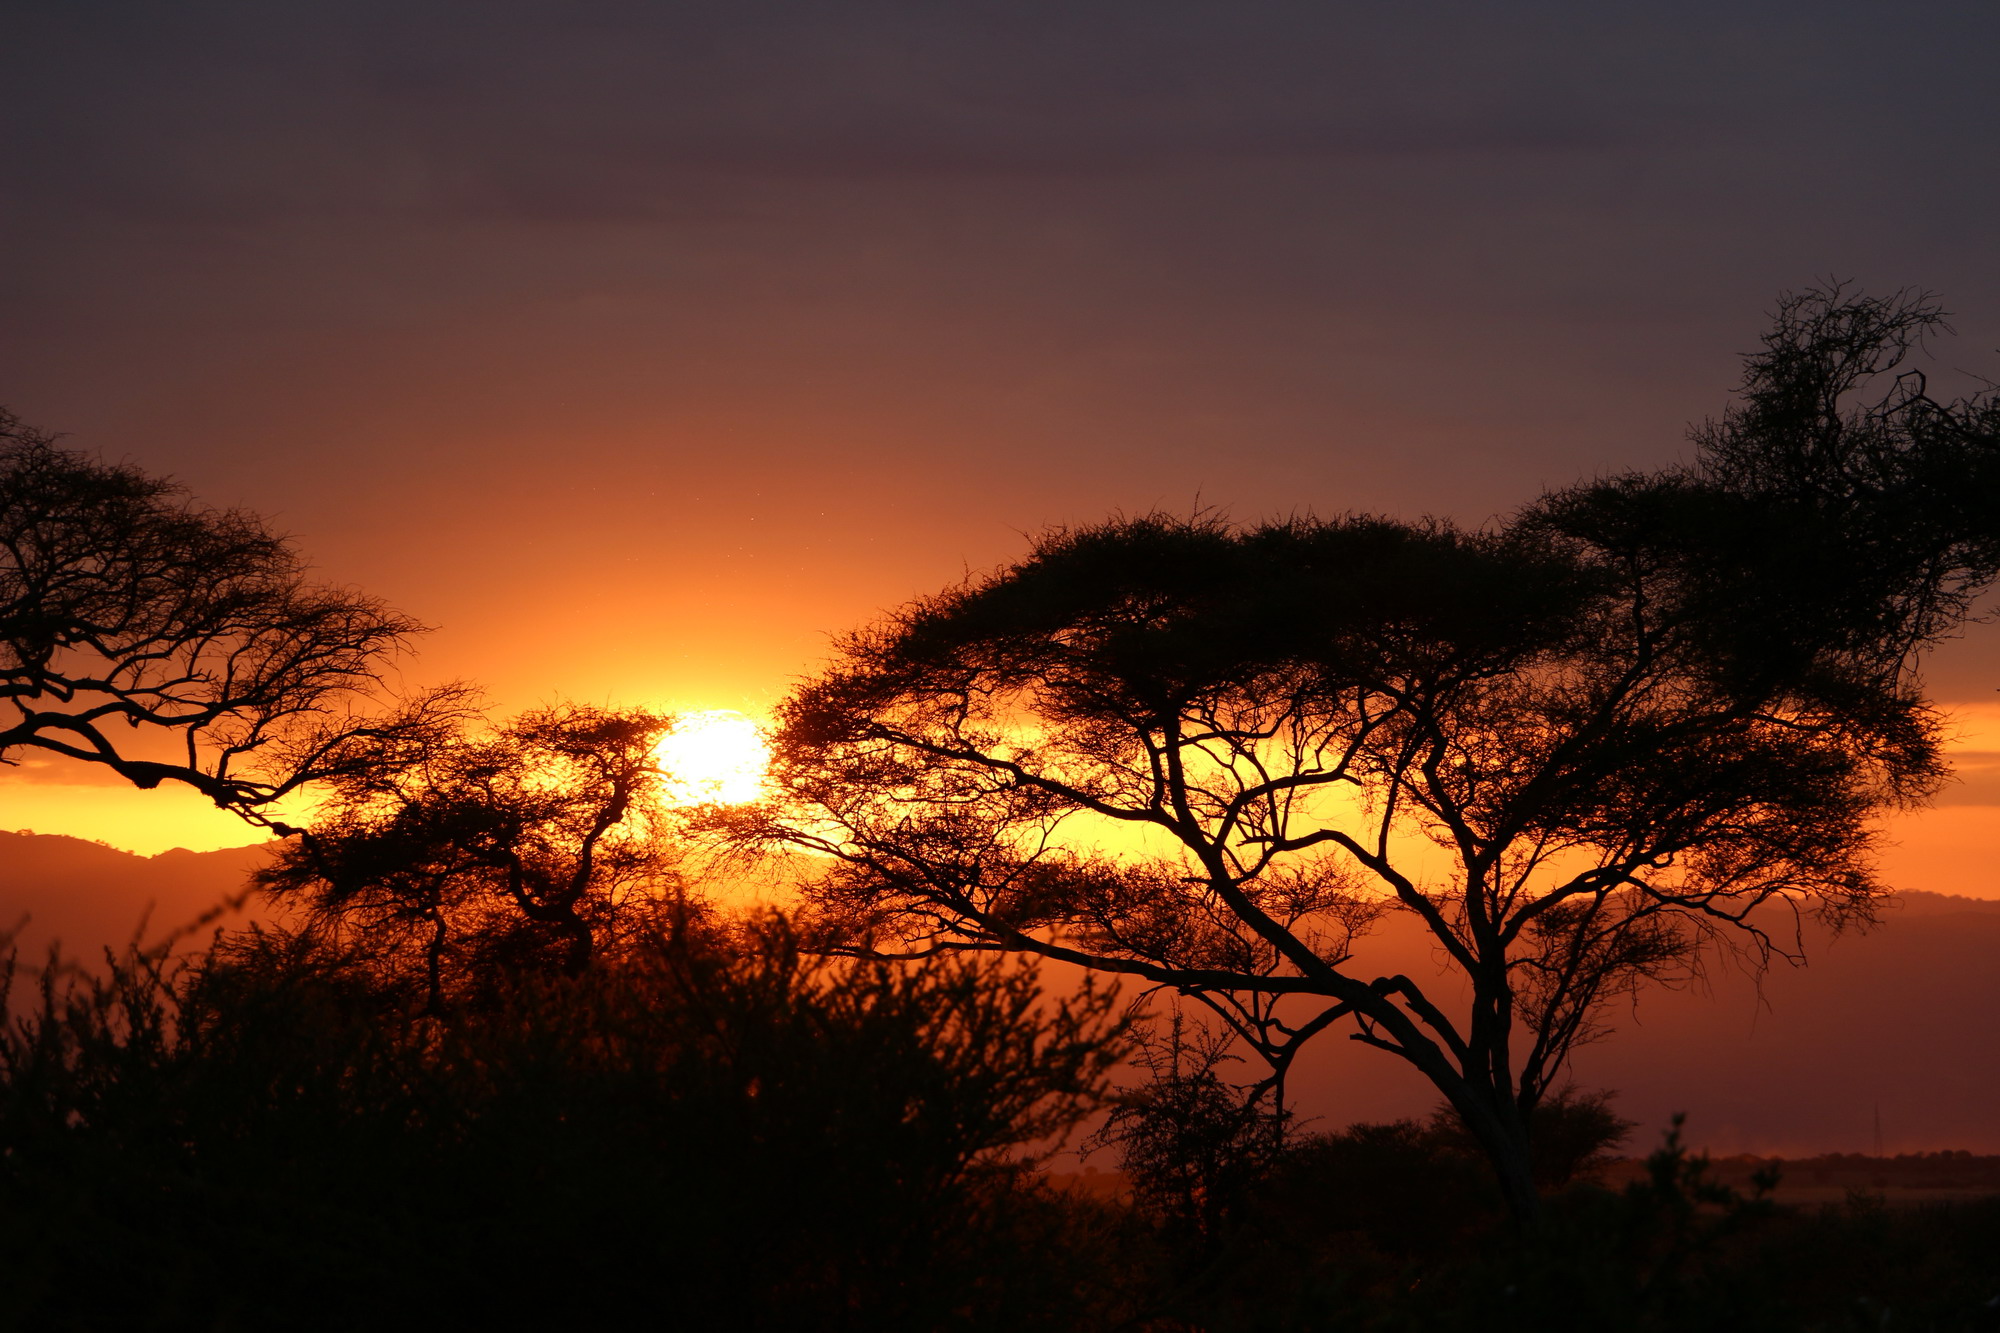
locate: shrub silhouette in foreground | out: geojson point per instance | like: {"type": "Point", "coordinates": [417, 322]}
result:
{"type": "Point", "coordinates": [702, 1124]}
{"type": "Point", "coordinates": [1399, 1227]}
{"type": "Point", "coordinates": [1192, 1145]}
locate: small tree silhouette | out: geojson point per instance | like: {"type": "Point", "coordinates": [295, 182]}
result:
{"type": "Point", "coordinates": [468, 858]}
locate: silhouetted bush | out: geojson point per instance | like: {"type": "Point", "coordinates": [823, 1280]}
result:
{"type": "Point", "coordinates": [1191, 1145]}
{"type": "Point", "coordinates": [1571, 1134]}
{"type": "Point", "coordinates": [766, 1139]}
{"type": "Point", "coordinates": [1402, 1188]}
{"type": "Point", "coordinates": [1392, 1229]}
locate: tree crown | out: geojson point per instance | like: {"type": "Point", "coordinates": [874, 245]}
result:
{"type": "Point", "coordinates": [124, 604]}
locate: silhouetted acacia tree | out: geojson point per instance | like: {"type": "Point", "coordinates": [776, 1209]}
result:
{"type": "Point", "coordinates": [475, 855]}
{"type": "Point", "coordinates": [1577, 746]}
{"type": "Point", "coordinates": [125, 606]}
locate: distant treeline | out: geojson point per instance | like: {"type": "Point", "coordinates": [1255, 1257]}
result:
{"type": "Point", "coordinates": [1956, 1169]}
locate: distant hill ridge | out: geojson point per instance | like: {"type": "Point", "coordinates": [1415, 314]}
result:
{"type": "Point", "coordinates": [89, 895]}
{"type": "Point", "coordinates": [1917, 902]}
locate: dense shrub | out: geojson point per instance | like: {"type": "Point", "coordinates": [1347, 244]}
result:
{"type": "Point", "coordinates": [1394, 1229]}
{"type": "Point", "coordinates": [260, 1142]}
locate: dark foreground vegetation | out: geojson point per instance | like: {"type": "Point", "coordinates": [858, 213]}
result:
{"type": "Point", "coordinates": [1398, 1227]}
{"type": "Point", "coordinates": [716, 1131]}
{"type": "Point", "coordinates": [501, 1067]}
{"type": "Point", "coordinates": [708, 1129]}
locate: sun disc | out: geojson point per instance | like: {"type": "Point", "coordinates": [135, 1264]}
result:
{"type": "Point", "coordinates": [713, 757]}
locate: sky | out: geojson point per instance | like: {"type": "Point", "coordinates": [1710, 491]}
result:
{"type": "Point", "coordinates": [642, 347]}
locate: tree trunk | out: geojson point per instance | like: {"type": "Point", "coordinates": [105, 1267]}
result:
{"type": "Point", "coordinates": [1504, 1139]}
{"type": "Point", "coordinates": [576, 961]}
{"type": "Point", "coordinates": [1516, 1176]}
{"type": "Point", "coordinates": [434, 966]}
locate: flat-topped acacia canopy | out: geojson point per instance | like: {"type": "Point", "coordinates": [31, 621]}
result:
{"type": "Point", "coordinates": [1626, 719]}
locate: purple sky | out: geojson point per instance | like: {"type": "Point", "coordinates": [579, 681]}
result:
{"type": "Point", "coordinates": [640, 346]}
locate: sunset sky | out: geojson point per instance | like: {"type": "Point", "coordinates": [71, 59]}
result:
{"type": "Point", "coordinates": [639, 347]}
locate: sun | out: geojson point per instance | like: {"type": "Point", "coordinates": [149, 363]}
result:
{"type": "Point", "coordinates": [713, 757]}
